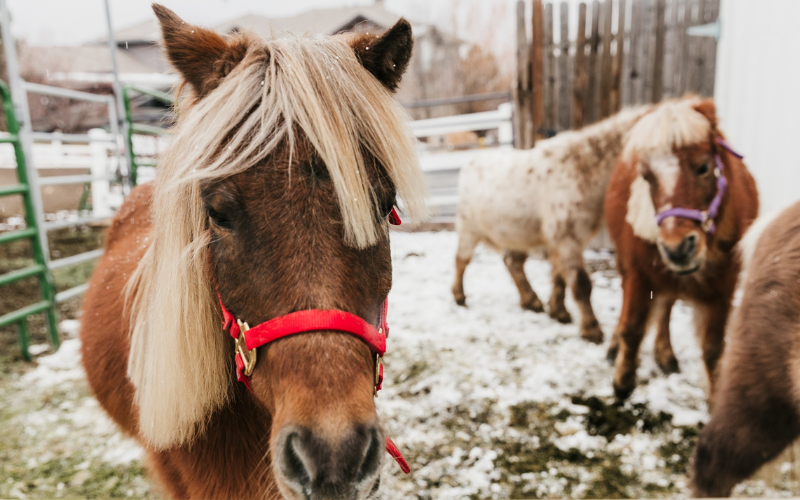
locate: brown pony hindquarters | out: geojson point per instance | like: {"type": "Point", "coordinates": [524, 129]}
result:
{"type": "Point", "coordinates": [757, 414]}
{"type": "Point", "coordinates": [241, 426]}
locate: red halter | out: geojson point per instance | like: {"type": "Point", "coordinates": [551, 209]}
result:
{"type": "Point", "coordinates": [247, 339]}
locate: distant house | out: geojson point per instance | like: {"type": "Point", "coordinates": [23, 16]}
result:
{"type": "Point", "coordinates": [436, 51]}
{"type": "Point", "coordinates": [434, 70]}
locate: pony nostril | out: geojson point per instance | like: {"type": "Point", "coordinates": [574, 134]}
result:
{"type": "Point", "coordinates": [372, 458]}
{"type": "Point", "coordinates": [294, 467]}
{"type": "Point", "coordinates": [688, 245]}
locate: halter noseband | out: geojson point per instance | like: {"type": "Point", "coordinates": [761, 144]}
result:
{"type": "Point", "coordinates": [247, 339]}
{"type": "Point", "coordinates": [705, 217]}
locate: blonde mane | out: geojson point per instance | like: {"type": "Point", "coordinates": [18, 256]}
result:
{"type": "Point", "coordinates": [180, 360]}
{"type": "Point", "coordinates": [671, 124]}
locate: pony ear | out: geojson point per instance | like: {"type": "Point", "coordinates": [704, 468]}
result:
{"type": "Point", "coordinates": [386, 56]}
{"type": "Point", "coordinates": [708, 109]}
{"type": "Point", "coordinates": [201, 56]}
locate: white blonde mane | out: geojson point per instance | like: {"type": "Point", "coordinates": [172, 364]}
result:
{"type": "Point", "coordinates": [180, 360]}
{"type": "Point", "coordinates": [672, 124]}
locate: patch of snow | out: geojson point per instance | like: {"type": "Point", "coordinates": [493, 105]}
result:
{"type": "Point", "coordinates": [70, 327]}
{"type": "Point", "coordinates": [494, 354]}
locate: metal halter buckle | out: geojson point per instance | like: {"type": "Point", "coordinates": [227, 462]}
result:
{"type": "Point", "coordinates": [377, 377]}
{"type": "Point", "coordinates": [248, 356]}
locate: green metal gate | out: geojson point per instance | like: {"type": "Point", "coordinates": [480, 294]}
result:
{"type": "Point", "coordinates": [39, 269]}
{"type": "Point", "coordinates": [140, 128]}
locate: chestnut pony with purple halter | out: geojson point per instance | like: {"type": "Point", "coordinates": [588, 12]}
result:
{"type": "Point", "coordinates": [705, 217]}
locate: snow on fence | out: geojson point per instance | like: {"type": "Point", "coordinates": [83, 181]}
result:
{"type": "Point", "coordinates": [442, 167]}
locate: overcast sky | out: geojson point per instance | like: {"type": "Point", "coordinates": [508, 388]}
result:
{"type": "Point", "coordinates": [71, 22]}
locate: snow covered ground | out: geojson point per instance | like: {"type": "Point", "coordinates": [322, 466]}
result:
{"type": "Point", "coordinates": [485, 401]}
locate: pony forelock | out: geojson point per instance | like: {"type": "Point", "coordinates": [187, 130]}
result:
{"type": "Point", "coordinates": [671, 124]}
{"type": "Point", "coordinates": [180, 361]}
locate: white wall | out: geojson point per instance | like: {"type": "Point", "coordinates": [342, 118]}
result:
{"type": "Point", "coordinates": [758, 93]}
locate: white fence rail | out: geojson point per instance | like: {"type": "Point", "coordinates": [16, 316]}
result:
{"type": "Point", "coordinates": [97, 160]}
{"type": "Point", "coordinates": [443, 167]}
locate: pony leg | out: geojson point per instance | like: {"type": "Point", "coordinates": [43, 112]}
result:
{"type": "Point", "coordinates": [750, 427]}
{"type": "Point", "coordinates": [466, 248]}
{"type": "Point", "coordinates": [515, 262]}
{"type": "Point", "coordinates": [556, 307]}
{"type": "Point", "coordinates": [630, 330]}
{"type": "Point", "coordinates": [570, 259]}
{"type": "Point", "coordinates": [710, 320]}
{"type": "Point", "coordinates": [665, 356]}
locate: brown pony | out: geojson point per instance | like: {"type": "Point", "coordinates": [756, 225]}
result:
{"type": "Point", "coordinates": [272, 198]}
{"type": "Point", "coordinates": [757, 415]}
{"type": "Point", "coordinates": [669, 167]}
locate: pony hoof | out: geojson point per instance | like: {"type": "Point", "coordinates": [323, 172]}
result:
{"type": "Point", "coordinates": [562, 316]}
{"type": "Point", "coordinates": [462, 301]}
{"type": "Point", "coordinates": [593, 334]}
{"type": "Point", "coordinates": [623, 392]}
{"type": "Point", "coordinates": [534, 305]}
{"type": "Point", "coordinates": [611, 355]}
{"type": "Point", "coordinates": [669, 366]}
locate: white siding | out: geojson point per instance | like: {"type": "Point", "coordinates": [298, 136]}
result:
{"type": "Point", "coordinates": [758, 93]}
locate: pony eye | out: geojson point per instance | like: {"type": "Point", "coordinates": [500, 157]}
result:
{"type": "Point", "coordinates": [219, 220]}
{"type": "Point", "coordinates": [703, 170]}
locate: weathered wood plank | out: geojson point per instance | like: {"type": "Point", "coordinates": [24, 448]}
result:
{"type": "Point", "coordinates": [550, 97]}
{"type": "Point", "coordinates": [647, 51]}
{"type": "Point", "coordinates": [634, 76]}
{"type": "Point", "coordinates": [579, 84]}
{"type": "Point", "coordinates": [615, 97]}
{"type": "Point", "coordinates": [523, 137]}
{"type": "Point", "coordinates": [690, 48]}
{"type": "Point", "coordinates": [537, 66]}
{"type": "Point", "coordinates": [712, 12]}
{"type": "Point", "coordinates": [590, 102]}
{"type": "Point", "coordinates": [563, 69]}
{"type": "Point", "coordinates": [657, 92]}
{"type": "Point", "coordinates": [604, 105]}
{"type": "Point", "coordinates": [671, 20]}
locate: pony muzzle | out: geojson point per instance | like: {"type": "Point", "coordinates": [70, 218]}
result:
{"type": "Point", "coordinates": [684, 253]}
{"type": "Point", "coordinates": [316, 465]}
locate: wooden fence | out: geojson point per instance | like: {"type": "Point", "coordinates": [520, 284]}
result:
{"type": "Point", "coordinates": [624, 52]}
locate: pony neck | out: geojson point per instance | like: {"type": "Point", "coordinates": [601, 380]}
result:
{"type": "Point", "coordinates": [606, 138]}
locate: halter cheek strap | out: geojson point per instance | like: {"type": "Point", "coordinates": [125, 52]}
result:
{"type": "Point", "coordinates": [705, 217]}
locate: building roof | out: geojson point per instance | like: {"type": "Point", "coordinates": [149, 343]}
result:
{"type": "Point", "coordinates": [312, 22]}
{"type": "Point", "coordinates": [86, 58]}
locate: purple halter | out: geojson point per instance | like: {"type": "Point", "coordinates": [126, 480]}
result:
{"type": "Point", "coordinates": [705, 217]}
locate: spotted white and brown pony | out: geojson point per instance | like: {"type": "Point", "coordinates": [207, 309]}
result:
{"type": "Point", "coordinates": [270, 209]}
{"type": "Point", "coordinates": [679, 201]}
{"type": "Point", "coordinates": [549, 197]}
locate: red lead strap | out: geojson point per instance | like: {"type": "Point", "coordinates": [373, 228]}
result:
{"type": "Point", "coordinates": [249, 339]}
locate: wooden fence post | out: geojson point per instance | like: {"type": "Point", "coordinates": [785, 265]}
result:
{"type": "Point", "coordinates": [579, 84]}
{"type": "Point", "coordinates": [710, 50]}
{"type": "Point", "coordinates": [550, 97]}
{"type": "Point", "coordinates": [537, 66]}
{"type": "Point", "coordinates": [605, 63]}
{"type": "Point", "coordinates": [690, 49]}
{"type": "Point", "coordinates": [590, 107]}
{"type": "Point", "coordinates": [563, 70]}
{"type": "Point", "coordinates": [658, 59]}
{"type": "Point", "coordinates": [615, 99]}
{"type": "Point", "coordinates": [522, 96]}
